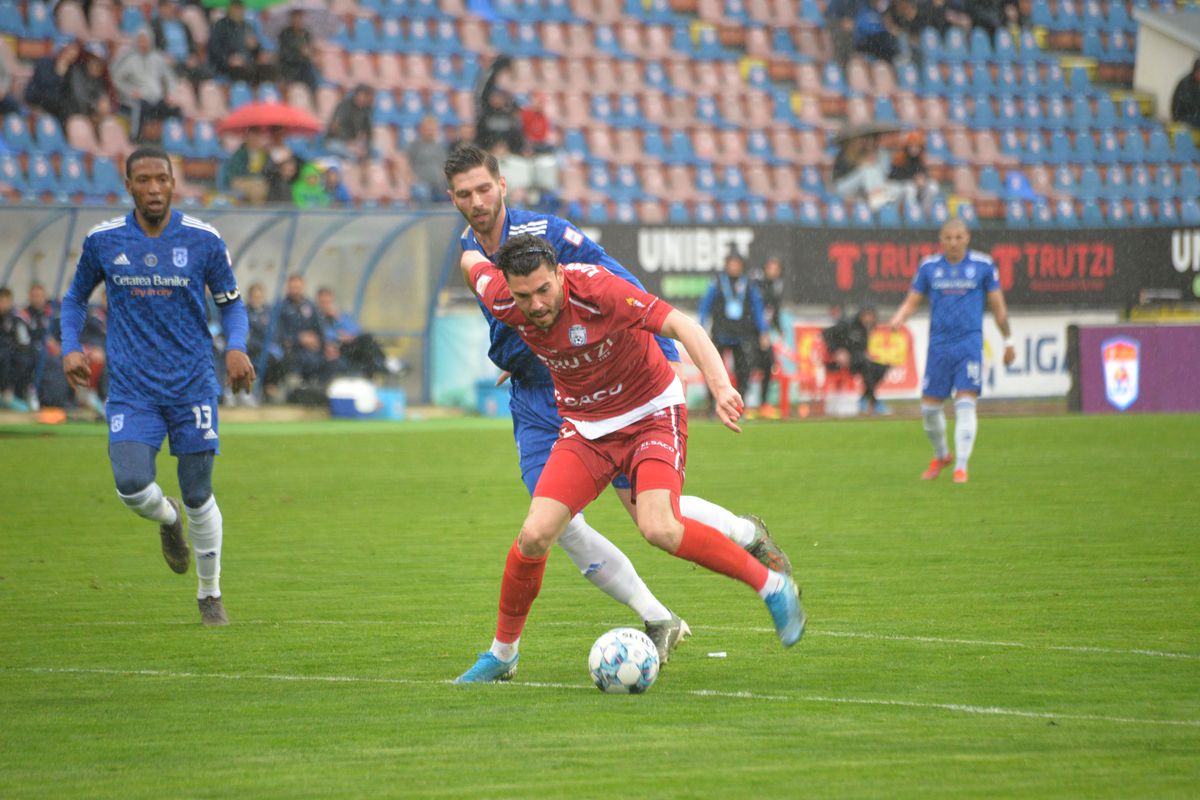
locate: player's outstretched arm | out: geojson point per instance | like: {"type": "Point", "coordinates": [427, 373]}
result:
{"type": "Point", "coordinates": [999, 309]}
{"type": "Point", "coordinates": [469, 259]}
{"type": "Point", "coordinates": [705, 356]}
{"type": "Point", "coordinates": [911, 303]}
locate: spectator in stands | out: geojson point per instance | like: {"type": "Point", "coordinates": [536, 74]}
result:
{"type": "Point", "coordinates": [175, 40]}
{"type": "Point", "coordinates": [860, 172]}
{"type": "Point", "coordinates": [874, 34]}
{"type": "Point", "coordinates": [8, 101]}
{"type": "Point", "coordinates": [339, 195]}
{"type": "Point", "coordinates": [535, 125]}
{"type": "Point", "coordinates": [911, 173]}
{"type": "Point", "coordinates": [904, 18]}
{"type": "Point", "coordinates": [297, 51]}
{"type": "Point", "coordinates": [250, 169]}
{"type": "Point", "coordinates": [347, 349]}
{"type": "Point", "coordinates": [91, 90]}
{"type": "Point", "coordinates": [308, 190]}
{"type": "Point", "coordinates": [770, 288]}
{"type": "Point", "coordinates": [464, 136]}
{"type": "Point", "coordinates": [426, 154]}
{"type": "Point", "coordinates": [17, 354]}
{"type": "Point", "coordinates": [991, 15]}
{"type": "Point", "coordinates": [739, 326]}
{"type": "Point", "coordinates": [1185, 102]}
{"type": "Point", "coordinates": [282, 179]}
{"type": "Point", "coordinates": [846, 344]}
{"type": "Point", "coordinates": [50, 86]}
{"type": "Point", "coordinates": [500, 124]}
{"type": "Point", "coordinates": [267, 357]}
{"type": "Point", "coordinates": [839, 21]}
{"type": "Point", "coordinates": [301, 336]}
{"type": "Point", "coordinates": [349, 133]}
{"type": "Point", "coordinates": [498, 78]}
{"type": "Point", "coordinates": [41, 315]}
{"type": "Point", "coordinates": [144, 80]}
{"type": "Point", "coordinates": [234, 50]}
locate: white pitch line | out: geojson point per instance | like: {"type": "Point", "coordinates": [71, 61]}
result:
{"type": "Point", "coordinates": [885, 637]}
{"type": "Point", "coordinates": [957, 708]}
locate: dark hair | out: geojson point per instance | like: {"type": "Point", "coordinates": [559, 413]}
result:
{"type": "Point", "coordinates": [6, 292]}
{"type": "Point", "coordinates": [468, 157]}
{"type": "Point", "coordinates": [147, 151]}
{"type": "Point", "coordinates": [523, 254]}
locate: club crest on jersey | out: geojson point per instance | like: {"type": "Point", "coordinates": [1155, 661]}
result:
{"type": "Point", "coordinates": [633, 301]}
{"type": "Point", "coordinates": [151, 260]}
{"type": "Point", "coordinates": [970, 272]}
{"type": "Point", "coordinates": [179, 257]}
{"type": "Point", "coordinates": [117, 423]}
{"type": "Point", "coordinates": [577, 334]}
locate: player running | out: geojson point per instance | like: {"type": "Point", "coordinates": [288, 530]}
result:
{"type": "Point", "coordinates": [623, 410]}
{"type": "Point", "coordinates": [477, 190]}
{"type": "Point", "coordinates": [155, 264]}
{"type": "Point", "coordinates": [957, 282]}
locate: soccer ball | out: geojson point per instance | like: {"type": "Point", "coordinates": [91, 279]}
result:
{"type": "Point", "coordinates": [623, 661]}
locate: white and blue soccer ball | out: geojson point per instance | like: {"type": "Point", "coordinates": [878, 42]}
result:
{"type": "Point", "coordinates": [623, 661]}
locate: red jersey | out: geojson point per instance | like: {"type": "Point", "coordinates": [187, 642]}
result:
{"type": "Point", "coordinates": [600, 350]}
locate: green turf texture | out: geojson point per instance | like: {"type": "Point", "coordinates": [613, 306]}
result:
{"type": "Point", "coordinates": [1034, 633]}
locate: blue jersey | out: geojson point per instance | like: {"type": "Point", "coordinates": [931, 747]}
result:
{"type": "Point", "coordinates": [957, 298]}
{"type": "Point", "coordinates": [507, 351]}
{"type": "Point", "coordinates": [159, 346]}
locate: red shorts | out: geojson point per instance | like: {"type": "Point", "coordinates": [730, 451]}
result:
{"type": "Point", "coordinates": [579, 469]}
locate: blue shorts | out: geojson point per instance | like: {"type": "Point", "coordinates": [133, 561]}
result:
{"type": "Point", "coordinates": [535, 430]}
{"type": "Point", "coordinates": [190, 427]}
{"type": "Point", "coordinates": [953, 369]}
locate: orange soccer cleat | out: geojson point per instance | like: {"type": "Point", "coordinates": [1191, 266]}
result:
{"type": "Point", "coordinates": [960, 476]}
{"type": "Point", "coordinates": [936, 466]}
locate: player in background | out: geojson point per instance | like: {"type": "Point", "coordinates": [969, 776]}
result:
{"type": "Point", "coordinates": [623, 410]}
{"type": "Point", "coordinates": [958, 282]}
{"type": "Point", "coordinates": [155, 264]}
{"type": "Point", "coordinates": [478, 191]}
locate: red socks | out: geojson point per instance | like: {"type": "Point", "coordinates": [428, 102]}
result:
{"type": "Point", "coordinates": [707, 547]}
{"type": "Point", "coordinates": [522, 581]}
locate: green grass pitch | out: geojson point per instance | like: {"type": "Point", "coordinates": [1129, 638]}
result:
{"type": "Point", "coordinates": [1034, 633]}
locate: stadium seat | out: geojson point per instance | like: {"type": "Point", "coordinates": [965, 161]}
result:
{"type": "Point", "coordinates": [809, 213]}
{"type": "Point", "coordinates": [1141, 185]}
{"type": "Point", "coordinates": [175, 138]}
{"type": "Point", "coordinates": [1189, 211]}
{"type": "Point", "coordinates": [861, 215]}
{"type": "Point", "coordinates": [1092, 46]}
{"type": "Point", "coordinates": [1089, 187]}
{"type": "Point", "coordinates": [71, 22]}
{"type": "Point", "coordinates": [1116, 187]}
{"type": "Point", "coordinates": [73, 177]}
{"type": "Point", "coordinates": [1189, 181]}
{"type": "Point", "coordinates": [1117, 216]}
{"type": "Point", "coordinates": [1092, 215]}
{"type": "Point", "coordinates": [888, 215]}
{"type": "Point", "coordinates": [16, 134]}
{"type": "Point", "coordinates": [1168, 212]}
{"type": "Point", "coordinates": [11, 173]}
{"type": "Point", "coordinates": [1061, 151]}
{"type": "Point", "coordinates": [240, 94]}
{"type": "Point", "coordinates": [706, 212]}
{"type": "Point", "coordinates": [913, 216]}
{"type": "Point", "coordinates": [1183, 149]}
{"type": "Point", "coordinates": [1015, 215]}
{"type": "Point", "coordinates": [1164, 186]}
{"type": "Point", "coordinates": [989, 181]}
{"type": "Point", "coordinates": [783, 213]}
{"type": "Point", "coordinates": [1143, 213]}
{"type": "Point", "coordinates": [41, 175]}
{"type": "Point", "coordinates": [835, 215]}
{"type": "Point", "coordinates": [1042, 215]}
{"type": "Point", "coordinates": [678, 213]}
{"type": "Point", "coordinates": [105, 177]}
{"type": "Point", "coordinates": [11, 21]}
{"type": "Point", "coordinates": [731, 212]}
{"type": "Point", "coordinates": [1158, 148]}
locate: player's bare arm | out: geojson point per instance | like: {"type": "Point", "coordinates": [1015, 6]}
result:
{"type": "Point", "coordinates": [77, 369]}
{"type": "Point", "coordinates": [239, 371]}
{"type": "Point", "coordinates": [911, 303]}
{"type": "Point", "coordinates": [999, 310]}
{"type": "Point", "coordinates": [705, 356]}
{"type": "Point", "coordinates": [469, 259]}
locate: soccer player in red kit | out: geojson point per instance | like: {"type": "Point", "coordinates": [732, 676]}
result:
{"type": "Point", "coordinates": [623, 410]}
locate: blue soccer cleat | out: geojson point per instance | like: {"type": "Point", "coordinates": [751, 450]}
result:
{"type": "Point", "coordinates": [786, 612]}
{"type": "Point", "coordinates": [489, 669]}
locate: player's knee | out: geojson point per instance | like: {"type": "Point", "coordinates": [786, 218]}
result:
{"type": "Point", "coordinates": [129, 483]}
{"type": "Point", "coordinates": [195, 478]}
{"type": "Point", "coordinates": [535, 538]}
{"type": "Point", "coordinates": [132, 466]}
{"type": "Point", "coordinates": [664, 532]}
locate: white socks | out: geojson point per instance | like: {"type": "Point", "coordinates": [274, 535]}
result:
{"type": "Point", "coordinates": [505, 651]}
{"type": "Point", "coordinates": [965, 425]}
{"type": "Point", "coordinates": [774, 583]}
{"type": "Point", "coordinates": [934, 418]}
{"type": "Point", "coordinates": [204, 527]}
{"type": "Point", "coordinates": [609, 570]}
{"type": "Point", "coordinates": [737, 529]}
{"type": "Point", "coordinates": [151, 504]}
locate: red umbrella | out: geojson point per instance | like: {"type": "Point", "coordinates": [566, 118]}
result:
{"type": "Point", "coordinates": [293, 120]}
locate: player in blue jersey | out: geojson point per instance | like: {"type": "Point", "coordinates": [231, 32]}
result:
{"type": "Point", "coordinates": [959, 283]}
{"type": "Point", "coordinates": [155, 264]}
{"type": "Point", "coordinates": [478, 191]}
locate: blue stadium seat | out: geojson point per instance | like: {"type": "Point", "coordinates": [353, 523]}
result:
{"type": "Point", "coordinates": [758, 146]}
{"type": "Point", "coordinates": [1131, 113]}
{"type": "Point", "coordinates": [1080, 84]}
{"type": "Point", "coordinates": [625, 212]}
{"type": "Point", "coordinates": [860, 215]}
{"type": "Point", "coordinates": [1090, 186]}
{"type": "Point", "coordinates": [501, 39]}
{"type": "Point", "coordinates": [597, 213]}
{"type": "Point", "coordinates": [733, 185]}
{"type": "Point", "coordinates": [678, 213]}
{"type": "Point", "coordinates": [655, 77]}
{"type": "Point", "coordinates": [423, 9]}
{"type": "Point", "coordinates": [1017, 187]}
{"type": "Point", "coordinates": [782, 43]}
{"type": "Point", "coordinates": [205, 143]}
{"type": "Point", "coordinates": [1119, 19]}
{"type": "Point", "coordinates": [391, 36]}
{"type": "Point", "coordinates": [708, 113]}
{"type": "Point", "coordinates": [364, 37]}
{"type": "Point", "coordinates": [16, 134]}
{"type": "Point", "coordinates": [1055, 80]}
{"type": "Point", "coordinates": [908, 78]}
{"type": "Point", "coordinates": [1158, 149]}
{"type": "Point", "coordinates": [706, 212]}
{"type": "Point", "coordinates": [681, 151]}
{"type": "Point", "coordinates": [1134, 150]}
{"type": "Point", "coordinates": [931, 45]}
{"type": "Point", "coordinates": [967, 212]}
{"type": "Point", "coordinates": [132, 19]}
{"type": "Point", "coordinates": [605, 41]}
{"type": "Point", "coordinates": [1121, 48]}
{"type": "Point", "coordinates": [1043, 215]}
{"type": "Point", "coordinates": [1141, 185]}
{"type": "Point", "coordinates": [41, 175]}
{"type": "Point", "coordinates": [1057, 115]}
{"type": "Point", "coordinates": [175, 138]}
{"type": "Point", "coordinates": [1164, 184]}
{"type": "Point", "coordinates": [1092, 215]}
{"type": "Point", "coordinates": [626, 185]}
{"type": "Point", "coordinates": [708, 45]}
{"type": "Point", "coordinates": [1015, 215]}
{"type": "Point", "coordinates": [1061, 150]}
{"type": "Point", "coordinates": [1081, 114]}
{"type": "Point", "coordinates": [268, 93]}
{"type": "Point", "coordinates": [835, 215]}
{"type": "Point", "coordinates": [731, 211]}
{"type": "Point", "coordinates": [39, 23]}
{"type": "Point", "coordinates": [11, 174]}
{"type": "Point", "coordinates": [1109, 150]}
{"type": "Point", "coordinates": [1117, 215]}
{"type": "Point", "coordinates": [1064, 180]}
{"type": "Point", "coordinates": [1004, 50]}
{"type": "Point", "coordinates": [812, 183]}
{"type": "Point", "coordinates": [757, 211]}
{"type": "Point", "coordinates": [105, 177]}
{"type": "Point", "coordinates": [1143, 213]}
{"type": "Point", "coordinates": [885, 111]}
{"type": "Point", "coordinates": [599, 179]}
{"type": "Point", "coordinates": [410, 110]}
{"type": "Point", "coordinates": [1189, 181]}
{"type": "Point", "coordinates": [1168, 212]}
{"type": "Point", "coordinates": [1092, 46]}
{"type": "Point", "coordinates": [889, 215]}
{"type": "Point", "coordinates": [832, 78]}
{"type": "Point", "coordinates": [1085, 147]}
{"type": "Point", "coordinates": [989, 181]}
{"type": "Point", "coordinates": [757, 77]}
{"type": "Point", "coordinates": [240, 94]}
{"type": "Point", "coordinates": [1183, 150]}
{"type": "Point", "coordinates": [73, 175]}
{"type": "Point", "coordinates": [1064, 213]}
{"type": "Point", "coordinates": [1008, 114]}
{"type": "Point", "coordinates": [706, 179]}
{"type": "Point", "coordinates": [1105, 114]}
{"type": "Point", "coordinates": [441, 107]}
{"type": "Point", "coordinates": [1116, 187]}
{"type": "Point", "coordinates": [11, 21]}
{"type": "Point", "coordinates": [932, 82]}
{"type": "Point", "coordinates": [1028, 51]}
{"type": "Point", "coordinates": [654, 147]}
{"type": "Point", "coordinates": [1035, 151]}
{"type": "Point", "coordinates": [958, 83]}
{"type": "Point", "coordinates": [385, 111]}
{"type": "Point", "coordinates": [809, 213]}
{"type": "Point", "coordinates": [602, 110]}
{"type": "Point", "coordinates": [981, 78]}
{"type": "Point", "coordinates": [736, 10]}
{"type": "Point", "coordinates": [957, 111]}
{"type": "Point", "coordinates": [940, 212]}
{"type": "Point", "coordinates": [49, 135]}
{"type": "Point", "coordinates": [954, 46]}
{"type": "Point", "coordinates": [981, 47]}
{"type": "Point", "coordinates": [784, 213]}
{"type": "Point", "coordinates": [1006, 81]}
{"type": "Point", "coordinates": [1189, 211]}
{"type": "Point", "coordinates": [936, 146]}
{"type": "Point", "coordinates": [984, 116]}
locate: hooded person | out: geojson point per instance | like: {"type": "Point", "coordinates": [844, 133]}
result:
{"type": "Point", "coordinates": [308, 190]}
{"type": "Point", "coordinates": [847, 343]}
